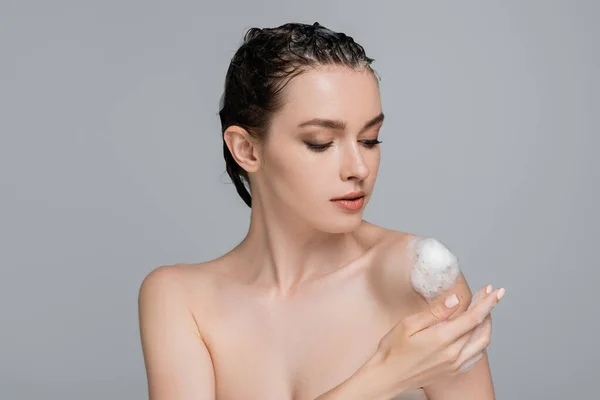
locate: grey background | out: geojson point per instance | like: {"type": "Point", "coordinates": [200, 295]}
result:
{"type": "Point", "coordinates": [111, 165]}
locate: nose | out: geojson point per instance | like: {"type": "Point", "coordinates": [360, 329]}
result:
{"type": "Point", "coordinates": [354, 165]}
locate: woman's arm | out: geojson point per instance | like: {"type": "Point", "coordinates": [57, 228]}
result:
{"type": "Point", "coordinates": [475, 384]}
{"type": "Point", "coordinates": [178, 364]}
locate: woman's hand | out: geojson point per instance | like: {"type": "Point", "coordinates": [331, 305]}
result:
{"type": "Point", "coordinates": [429, 345]}
{"type": "Point", "coordinates": [482, 330]}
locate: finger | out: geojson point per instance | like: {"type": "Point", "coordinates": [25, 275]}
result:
{"type": "Point", "coordinates": [467, 321]}
{"type": "Point", "coordinates": [485, 327]}
{"type": "Point", "coordinates": [477, 296]}
{"type": "Point", "coordinates": [473, 346]}
{"type": "Point", "coordinates": [470, 354]}
{"type": "Point", "coordinates": [476, 299]}
{"type": "Point", "coordinates": [480, 294]}
{"type": "Point", "coordinates": [438, 312]}
{"type": "Point", "coordinates": [464, 345]}
{"type": "Point", "coordinates": [479, 329]}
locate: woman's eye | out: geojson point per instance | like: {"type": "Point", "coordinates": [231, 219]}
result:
{"type": "Point", "coordinates": [318, 147]}
{"type": "Point", "coordinates": [322, 147]}
{"type": "Point", "coordinates": [371, 143]}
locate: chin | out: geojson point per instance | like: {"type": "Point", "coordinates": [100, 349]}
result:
{"type": "Point", "coordinates": [341, 223]}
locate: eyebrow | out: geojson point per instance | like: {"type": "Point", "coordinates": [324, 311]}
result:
{"type": "Point", "coordinates": [340, 125]}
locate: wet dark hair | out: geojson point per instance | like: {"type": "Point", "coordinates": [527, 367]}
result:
{"type": "Point", "coordinates": [261, 68]}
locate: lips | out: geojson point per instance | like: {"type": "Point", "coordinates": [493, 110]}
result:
{"type": "Point", "coordinates": [350, 196]}
{"type": "Point", "coordinates": [350, 205]}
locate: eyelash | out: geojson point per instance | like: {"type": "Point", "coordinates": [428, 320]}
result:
{"type": "Point", "coordinates": [319, 148]}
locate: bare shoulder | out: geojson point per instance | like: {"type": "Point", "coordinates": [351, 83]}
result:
{"type": "Point", "coordinates": [162, 282]}
{"type": "Point", "coordinates": [164, 291]}
{"type": "Point", "coordinates": [395, 259]}
{"type": "Point", "coordinates": [176, 277]}
{"type": "Point", "coordinates": [392, 261]}
{"type": "Point", "coordinates": [192, 284]}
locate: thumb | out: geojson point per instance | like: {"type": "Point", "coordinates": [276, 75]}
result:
{"type": "Point", "coordinates": [437, 313]}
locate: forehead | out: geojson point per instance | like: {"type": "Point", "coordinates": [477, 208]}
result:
{"type": "Point", "coordinates": [333, 93]}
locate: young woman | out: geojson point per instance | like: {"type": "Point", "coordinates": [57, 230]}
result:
{"type": "Point", "coordinates": [315, 302]}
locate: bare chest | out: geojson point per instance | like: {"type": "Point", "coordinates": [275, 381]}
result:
{"type": "Point", "coordinates": [263, 349]}
{"type": "Point", "coordinates": [294, 356]}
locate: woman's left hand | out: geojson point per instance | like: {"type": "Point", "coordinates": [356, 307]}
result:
{"type": "Point", "coordinates": [484, 329]}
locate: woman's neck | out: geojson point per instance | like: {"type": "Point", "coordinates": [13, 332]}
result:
{"type": "Point", "coordinates": [281, 253]}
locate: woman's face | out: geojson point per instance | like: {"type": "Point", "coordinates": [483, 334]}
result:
{"type": "Point", "coordinates": [337, 112]}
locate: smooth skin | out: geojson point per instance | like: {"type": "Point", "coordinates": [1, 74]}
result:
{"type": "Point", "coordinates": [417, 352]}
{"type": "Point", "coordinates": [302, 303]}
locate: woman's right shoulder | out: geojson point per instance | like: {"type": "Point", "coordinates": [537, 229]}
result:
{"type": "Point", "coordinates": [196, 288]}
{"type": "Point", "coordinates": [191, 281]}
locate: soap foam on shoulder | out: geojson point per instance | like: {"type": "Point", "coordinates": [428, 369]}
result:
{"type": "Point", "coordinates": [436, 268]}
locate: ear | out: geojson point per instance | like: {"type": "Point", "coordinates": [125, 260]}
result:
{"type": "Point", "coordinates": [243, 148]}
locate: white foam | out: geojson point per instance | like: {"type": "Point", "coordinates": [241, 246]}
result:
{"type": "Point", "coordinates": [471, 362]}
{"type": "Point", "coordinates": [436, 269]}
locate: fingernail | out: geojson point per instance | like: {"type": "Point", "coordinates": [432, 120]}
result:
{"type": "Point", "coordinates": [500, 293]}
{"type": "Point", "coordinates": [451, 301]}
{"type": "Point", "coordinates": [488, 289]}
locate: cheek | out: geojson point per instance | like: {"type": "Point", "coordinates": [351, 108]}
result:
{"type": "Point", "coordinates": [373, 161]}
{"type": "Point", "coordinates": [295, 175]}
{"type": "Point", "coordinates": [308, 177]}
{"type": "Point", "coordinates": [376, 161]}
